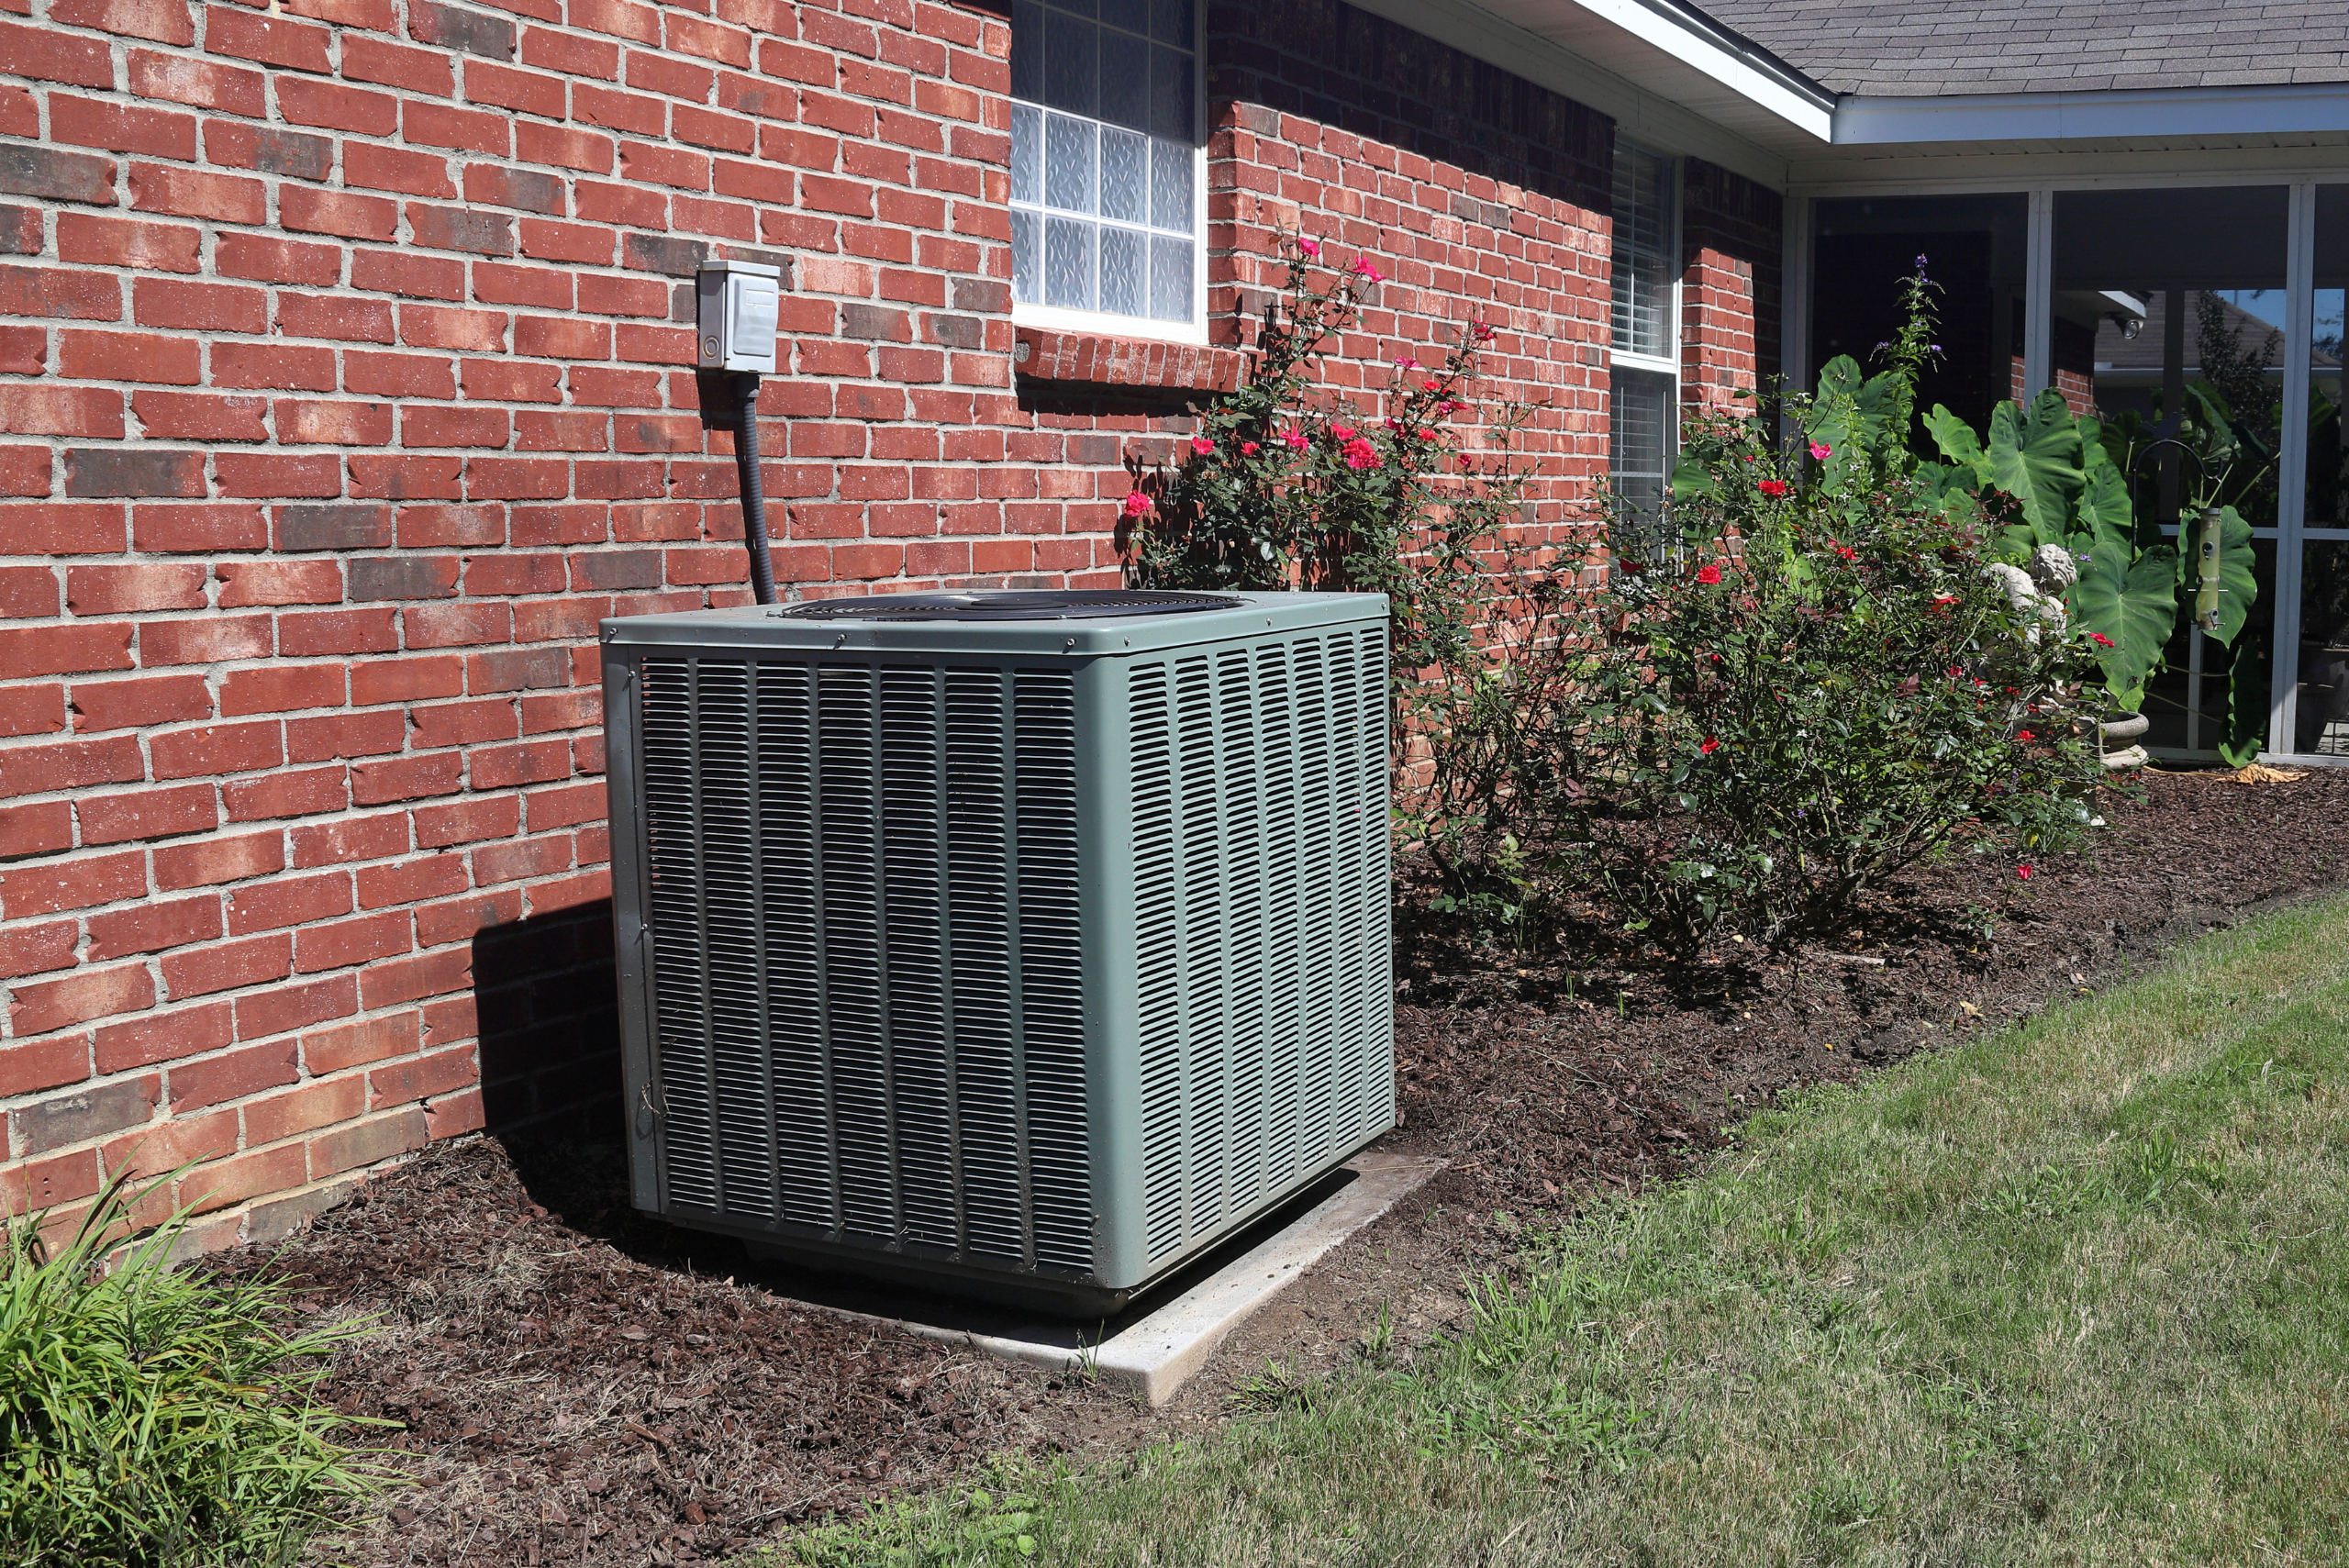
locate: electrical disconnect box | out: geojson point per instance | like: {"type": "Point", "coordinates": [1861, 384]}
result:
{"type": "Point", "coordinates": [736, 308]}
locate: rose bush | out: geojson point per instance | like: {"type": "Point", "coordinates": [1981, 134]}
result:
{"type": "Point", "coordinates": [1812, 684]}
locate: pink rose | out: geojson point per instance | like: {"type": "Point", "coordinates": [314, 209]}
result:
{"type": "Point", "coordinates": [1248, 449]}
{"type": "Point", "coordinates": [1820, 450]}
{"type": "Point", "coordinates": [1295, 442]}
{"type": "Point", "coordinates": [1361, 454]}
{"type": "Point", "coordinates": [1310, 247]}
{"type": "Point", "coordinates": [1201, 445]}
{"type": "Point", "coordinates": [1341, 432]}
{"type": "Point", "coordinates": [1136, 504]}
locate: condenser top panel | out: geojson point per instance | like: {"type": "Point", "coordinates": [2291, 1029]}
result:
{"type": "Point", "coordinates": [1009, 603]}
{"type": "Point", "coordinates": [1076, 623]}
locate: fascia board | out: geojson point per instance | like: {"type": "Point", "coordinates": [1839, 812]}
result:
{"type": "Point", "coordinates": [2168, 113]}
{"type": "Point", "coordinates": [1647, 117]}
{"type": "Point", "coordinates": [1805, 107]}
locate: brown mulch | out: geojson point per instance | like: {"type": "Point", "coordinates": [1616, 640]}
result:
{"type": "Point", "coordinates": [579, 1384]}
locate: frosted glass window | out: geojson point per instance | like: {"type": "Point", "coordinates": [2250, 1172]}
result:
{"type": "Point", "coordinates": [1105, 157]}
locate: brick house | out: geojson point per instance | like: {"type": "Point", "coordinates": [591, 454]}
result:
{"type": "Point", "coordinates": [345, 385]}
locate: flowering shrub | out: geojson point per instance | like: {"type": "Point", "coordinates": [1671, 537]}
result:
{"type": "Point", "coordinates": [1817, 686]}
{"type": "Point", "coordinates": [1287, 486]}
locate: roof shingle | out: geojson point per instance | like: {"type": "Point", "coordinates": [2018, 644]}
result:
{"type": "Point", "coordinates": [2045, 46]}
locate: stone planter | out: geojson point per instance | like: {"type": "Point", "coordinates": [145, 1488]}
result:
{"type": "Point", "coordinates": [2116, 738]}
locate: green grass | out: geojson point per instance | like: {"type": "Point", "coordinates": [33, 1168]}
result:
{"type": "Point", "coordinates": [2079, 1294]}
{"type": "Point", "coordinates": [153, 1416]}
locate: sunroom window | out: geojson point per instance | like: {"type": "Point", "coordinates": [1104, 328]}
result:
{"type": "Point", "coordinates": [1644, 390]}
{"type": "Point", "coordinates": [1106, 166]}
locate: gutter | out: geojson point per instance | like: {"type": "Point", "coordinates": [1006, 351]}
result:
{"type": "Point", "coordinates": [2294, 108]}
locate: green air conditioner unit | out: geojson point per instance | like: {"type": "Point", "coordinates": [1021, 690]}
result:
{"type": "Point", "coordinates": [1019, 944]}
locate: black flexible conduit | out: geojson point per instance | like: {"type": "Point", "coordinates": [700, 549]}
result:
{"type": "Point", "coordinates": [755, 502]}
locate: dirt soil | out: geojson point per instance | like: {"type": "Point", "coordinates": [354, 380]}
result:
{"type": "Point", "coordinates": [579, 1384]}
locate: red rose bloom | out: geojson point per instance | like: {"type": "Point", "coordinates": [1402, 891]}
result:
{"type": "Point", "coordinates": [1201, 445]}
{"type": "Point", "coordinates": [1773, 488]}
{"type": "Point", "coordinates": [1709, 573]}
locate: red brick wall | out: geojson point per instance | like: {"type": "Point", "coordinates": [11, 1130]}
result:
{"type": "Point", "coordinates": [340, 394]}
{"type": "Point", "coordinates": [1731, 243]}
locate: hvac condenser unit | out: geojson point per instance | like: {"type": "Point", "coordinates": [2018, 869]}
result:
{"type": "Point", "coordinates": [1023, 944]}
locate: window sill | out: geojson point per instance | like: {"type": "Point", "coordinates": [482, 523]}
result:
{"type": "Point", "coordinates": [1089, 358]}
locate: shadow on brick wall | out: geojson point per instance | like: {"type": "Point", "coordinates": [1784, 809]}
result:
{"type": "Point", "coordinates": [550, 1025]}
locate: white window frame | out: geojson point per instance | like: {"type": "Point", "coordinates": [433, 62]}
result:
{"type": "Point", "coordinates": [2135, 172]}
{"type": "Point", "coordinates": [1107, 324]}
{"type": "Point", "coordinates": [1667, 364]}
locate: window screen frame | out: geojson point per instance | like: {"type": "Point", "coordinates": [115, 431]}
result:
{"type": "Point", "coordinates": [1108, 324]}
{"type": "Point", "coordinates": [1665, 366]}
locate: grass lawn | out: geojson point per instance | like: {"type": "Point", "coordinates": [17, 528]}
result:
{"type": "Point", "coordinates": [2075, 1293]}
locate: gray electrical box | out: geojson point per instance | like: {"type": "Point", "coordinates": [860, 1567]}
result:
{"type": "Point", "coordinates": [1024, 944]}
{"type": "Point", "coordinates": [736, 308]}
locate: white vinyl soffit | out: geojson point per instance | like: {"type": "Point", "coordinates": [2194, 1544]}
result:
{"type": "Point", "coordinates": [2173, 112]}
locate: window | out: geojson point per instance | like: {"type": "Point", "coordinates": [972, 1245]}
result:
{"type": "Point", "coordinates": [1644, 385]}
{"type": "Point", "coordinates": [1106, 166]}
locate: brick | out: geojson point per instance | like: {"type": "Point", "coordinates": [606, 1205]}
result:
{"type": "Point", "coordinates": [564, 147]}
{"type": "Point", "coordinates": [307, 793]}
{"type": "Point", "coordinates": [280, 688]}
{"type": "Point", "coordinates": [189, 193]}
{"type": "Point", "coordinates": [467, 130]}
{"type": "Point", "coordinates": [468, 32]}
{"type": "Point", "coordinates": [284, 1009]}
{"type": "Point", "coordinates": [64, 650]}
{"type": "Point", "coordinates": [214, 307]}
{"type": "Point", "coordinates": [84, 1115]}
{"type": "Point", "coordinates": [61, 411]}
{"type": "Point", "coordinates": [100, 471]}
{"type": "Point", "coordinates": [40, 1007]}
{"type": "Point", "coordinates": [309, 421]}
{"type": "Point", "coordinates": [544, 240]}
{"type": "Point", "coordinates": [406, 778]}
{"type": "Point", "coordinates": [541, 288]}
{"type": "Point", "coordinates": [407, 679]}
{"type": "Point", "coordinates": [399, 375]}
{"type": "Point", "coordinates": [126, 705]}
{"type": "Point", "coordinates": [94, 241]}
{"type": "Point", "coordinates": [56, 176]}
{"type": "Point", "coordinates": [273, 366]}
{"type": "Point", "coordinates": [192, 1085]}
{"type": "Point", "coordinates": [396, 169]}
{"type": "Point", "coordinates": [421, 1077]}
{"type": "Point", "coordinates": [34, 1185]}
{"type": "Point", "coordinates": [278, 582]}
{"type": "Point", "coordinates": [409, 979]}
{"type": "Point", "coordinates": [426, 528]}
{"type": "Point", "coordinates": [154, 1152]}
{"type": "Point", "coordinates": [201, 83]}
{"type": "Point", "coordinates": [411, 882]}
{"type": "Point", "coordinates": [396, 65]}
{"type": "Point", "coordinates": [346, 943]}
{"type": "Point", "coordinates": [459, 1113]}
{"type": "Point", "coordinates": [121, 127]}
{"type": "Point", "coordinates": [185, 417]}
{"type": "Point", "coordinates": [27, 1066]}
{"type": "Point", "coordinates": [223, 1182]}
{"type": "Point", "coordinates": [24, 351]}
{"type": "Point", "coordinates": [113, 590]}
{"type": "Point", "coordinates": [229, 966]}
{"type": "Point", "coordinates": [345, 735]}
{"type": "Point", "coordinates": [270, 475]}
{"type": "Point", "coordinates": [524, 91]}
{"type": "Point", "coordinates": [566, 806]}
{"type": "Point", "coordinates": [352, 838]}
{"type": "Point", "coordinates": [61, 884]}
{"type": "Point", "coordinates": [461, 919]}
{"type": "Point", "coordinates": [47, 56]}
{"type": "Point", "coordinates": [357, 1044]}
{"type": "Point", "coordinates": [216, 862]}
{"type": "Point", "coordinates": [149, 813]}
{"type": "Point", "coordinates": [345, 213]}
{"type": "Point", "coordinates": [516, 861]}
{"type": "Point", "coordinates": [55, 292]}
{"type": "Point", "coordinates": [404, 577]}
{"type": "Point", "coordinates": [71, 764]}
{"type": "Point", "coordinates": [269, 148]}
{"type": "Point", "coordinates": [368, 1142]}
{"type": "Point", "coordinates": [406, 478]}
{"type": "Point", "coordinates": [152, 926]}
{"type": "Point", "coordinates": [215, 750]}
{"type": "Point", "coordinates": [164, 21]}
{"type": "Point", "coordinates": [270, 40]}
{"type": "Point", "coordinates": [273, 261]}
{"type": "Point", "coordinates": [213, 639]}
{"type": "Point", "coordinates": [36, 950]}
{"type": "Point", "coordinates": [27, 592]}
{"type": "Point", "coordinates": [664, 166]}
{"type": "Point", "coordinates": [346, 631]}
{"type": "Point", "coordinates": [305, 1109]}
{"type": "Point", "coordinates": [349, 526]}
{"type": "Point", "coordinates": [129, 355]}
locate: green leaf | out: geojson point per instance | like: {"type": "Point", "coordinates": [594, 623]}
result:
{"type": "Point", "coordinates": [1690, 478]}
{"type": "Point", "coordinates": [1958, 443]}
{"type": "Point", "coordinates": [2134, 606]}
{"type": "Point", "coordinates": [2104, 502]}
{"type": "Point", "coordinates": [2247, 710]}
{"type": "Point", "coordinates": [2036, 458]}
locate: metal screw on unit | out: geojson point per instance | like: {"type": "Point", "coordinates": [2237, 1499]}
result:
{"type": "Point", "coordinates": [1070, 644]}
{"type": "Point", "coordinates": [839, 640]}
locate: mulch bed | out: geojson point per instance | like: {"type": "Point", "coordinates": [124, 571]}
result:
{"type": "Point", "coordinates": [579, 1384]}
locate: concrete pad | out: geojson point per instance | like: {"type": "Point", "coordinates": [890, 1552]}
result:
{"type": "Point", "coordinates": [1153, 1348]}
